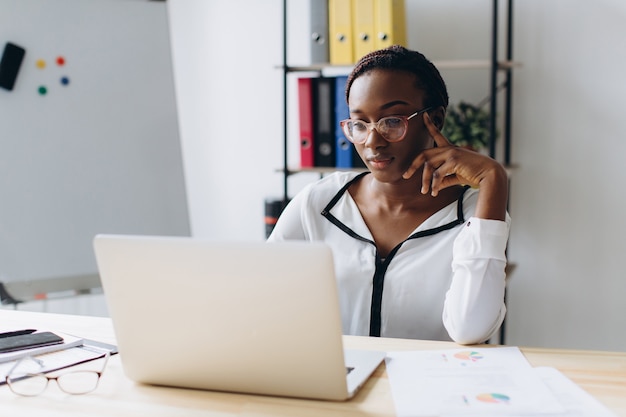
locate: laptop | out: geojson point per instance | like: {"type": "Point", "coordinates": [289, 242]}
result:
{"type": "Point", "coordinates": [253, 317]}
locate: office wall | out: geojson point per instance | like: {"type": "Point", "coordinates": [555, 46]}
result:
{"type": "Point", "coordinates": [229, 91]}
{"type": "Point", "coordinates": [98, 154]}
{"type": "Point", "coordinates": [568, 238]}
{"type": "Point", "coordinates": [568, 134]}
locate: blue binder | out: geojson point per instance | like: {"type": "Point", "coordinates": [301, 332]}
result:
{"type": "Point", "coordinates": [344, 147]}
{"type": "Point", "coordinates": [346, 155]}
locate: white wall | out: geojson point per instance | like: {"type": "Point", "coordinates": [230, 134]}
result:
{"type": "Point", "coordinates": [567, 202]}
{"type": "Point", "coordinates": [568, 131]}
{"type": "Point", "coordinates": [229, 89]}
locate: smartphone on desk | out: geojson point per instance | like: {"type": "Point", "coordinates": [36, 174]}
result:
{"type": "Point", "coordinates": [28, 341]}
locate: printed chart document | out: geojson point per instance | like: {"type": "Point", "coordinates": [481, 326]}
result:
{"type": "Point", "coordinates": [472, 381]}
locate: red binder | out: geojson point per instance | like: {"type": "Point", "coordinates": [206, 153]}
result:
{"type": "Point", "coordinates": [305, 109]}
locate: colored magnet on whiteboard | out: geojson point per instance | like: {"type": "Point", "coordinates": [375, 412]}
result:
{"type": "Point", "coordinates": [40, 63]}
{"type": "Point", "coordinates": [60, 61]}
{"type": "Point", "coordinates": [42, 90]}
{"type": "Point", "coordinates": [65, 81]}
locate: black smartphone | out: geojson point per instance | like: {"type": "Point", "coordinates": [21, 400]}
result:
{"type": "Point", "coordinates": [10, 64]}
{"type": "Point", "coordinates": [28, 341]}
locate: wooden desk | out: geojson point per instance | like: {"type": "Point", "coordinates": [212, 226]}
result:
{"type": "Point", "coordinates": [602, 374]}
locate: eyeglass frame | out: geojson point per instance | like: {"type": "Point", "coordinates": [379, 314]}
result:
{"type": "Point", "coordinates": [375, 125]}
{"type": "Point", "coordinates": [106, 355]}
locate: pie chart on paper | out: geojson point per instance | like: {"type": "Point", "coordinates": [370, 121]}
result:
{"type": "Point", "coordinates": [469, 355]}
{"type": "Point", "coordinates": [493, 398]}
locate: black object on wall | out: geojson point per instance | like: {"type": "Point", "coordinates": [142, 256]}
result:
{"type": "Point", "coordinates": [10, 65]}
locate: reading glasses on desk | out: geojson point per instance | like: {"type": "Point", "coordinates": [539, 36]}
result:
{"type": "Point", "coordinates": [25, 378]}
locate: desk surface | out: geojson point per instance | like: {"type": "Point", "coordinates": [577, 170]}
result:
{"type": "Point", "coordinates": [602, 374]}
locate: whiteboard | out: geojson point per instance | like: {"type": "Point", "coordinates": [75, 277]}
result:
{"type": "Point", "coordinates": [89, 138]}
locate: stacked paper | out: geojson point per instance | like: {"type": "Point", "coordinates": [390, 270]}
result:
{"type": "Point", "coordinates": [483, 382]}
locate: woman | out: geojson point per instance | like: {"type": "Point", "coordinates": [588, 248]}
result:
{"type": "Point", "coordinates": [418, 241]}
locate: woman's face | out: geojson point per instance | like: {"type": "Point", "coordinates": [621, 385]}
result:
{"type": "Point", "coordinates": [381, 93]}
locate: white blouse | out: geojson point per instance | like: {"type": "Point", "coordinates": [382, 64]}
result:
{"type": "Point", "coordinates": [445, 282]}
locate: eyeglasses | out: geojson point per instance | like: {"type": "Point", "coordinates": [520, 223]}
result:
{"type": "Point", "coordinates": [392, 128]}
{"type": "Point", "coordinates": [25, 378]}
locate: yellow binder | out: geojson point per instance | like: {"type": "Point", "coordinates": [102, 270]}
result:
{"type": "Point", "coordinates": [389, 23]}
{"type": "Point", "coordinates": [363, 27]}
{"type": "Point", "coordinates": [340, 32]}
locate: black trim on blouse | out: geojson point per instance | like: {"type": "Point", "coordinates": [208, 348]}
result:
{"type": "Point", "coordinates": [382, 264]}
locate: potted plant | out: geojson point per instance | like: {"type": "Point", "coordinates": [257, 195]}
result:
{"type": "Point", "coordinates": [467, 125]}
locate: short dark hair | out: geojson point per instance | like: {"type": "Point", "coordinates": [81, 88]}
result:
{"type": "Point", "coordinates": [399, 58]}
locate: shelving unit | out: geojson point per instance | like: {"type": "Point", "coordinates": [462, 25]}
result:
{"type": "Point", "coordinates": [494, 64]}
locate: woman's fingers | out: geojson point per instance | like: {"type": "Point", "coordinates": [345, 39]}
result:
{"type": "Point", "coordinates": [446, 165]}
{"type": "Point", "coordinates": [434, 131]}
{"type": "Point", "coordinates": [443, 177]}
{"type": "Point", "coordinates": [415, 165]}
{"type": "Point", "coordinates": [439, 139]}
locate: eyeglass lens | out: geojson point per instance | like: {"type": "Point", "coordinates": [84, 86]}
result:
{"type": "Point", "coordinates": [28, 385]}
{"type": "Point", "coordinates": [79, 382]}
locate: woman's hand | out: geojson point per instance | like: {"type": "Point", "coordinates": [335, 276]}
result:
{"type": "Point", "coordinates": [447, 165]}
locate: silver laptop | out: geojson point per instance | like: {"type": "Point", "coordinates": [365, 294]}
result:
{"type": "Point", "coordinates": [260, 318]}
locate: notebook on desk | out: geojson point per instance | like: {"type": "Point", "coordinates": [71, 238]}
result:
{"type": "Point", "coordinates": [260, 318]}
